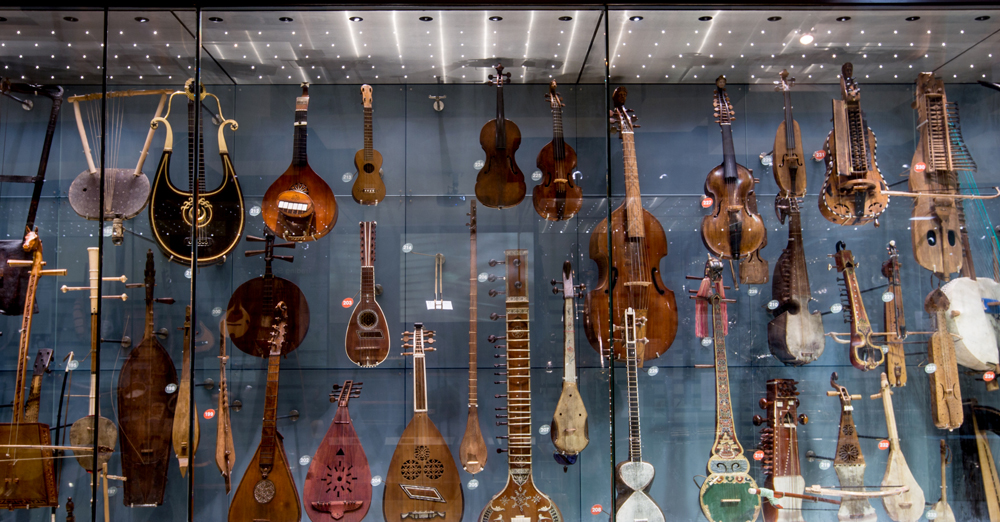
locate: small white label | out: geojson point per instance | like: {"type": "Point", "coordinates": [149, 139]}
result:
{"type": "Point", "coordinates": [752, 291]}
{"type": "Point", "coordinates": [439, 305]}
{"type": "Point", "coordinates": [706, 341]}
{"type": "Point", "coordinates": [930, 368]}
{"type": "Point", "coordinates": [478, 164]}
{"type": "Point", "coordinates": [407, 248]}
{"type": "Point", "coordinates": [72, 365]}
{"type": "Point", "coordinates": [887, 296]}
{"type": "Point", "coordinates": [187, 273]}
{"type": "Point", "coordinates": [544, 429]}
{"type": "Point", "coordinates": [766, 160]}
{"type": "Point", "coordinates": [472, 484]}
{"type": "Point", "coordinates": [255, 210]}
{"type": "Point", "coordinates": [483, 277]}
{"type": "Point", "coordinates": [773, 304]}
{"type": "Point", "coordinates": [171, 388]}
{"type": "Point", "coordinates": [824, 464]}
{"type": "Point", "coordinates": [217, 311]}
{"type": "Point", "coordinates": [304, 460]}
{"type": "Point", "coordinates": [536, 175]}
{"type": "Point", "coordinates": [347, 177]}
{"type": "Point", "coordinates": [836, 308]}
{"type": "Point", "coordinates": [652, 371]}
{"type": "Point", "coordinates": [112, 491]}
{"type": "Point", "coordinates": [376, 481]}
{"type": "Point", "coordinates": [885, 348]}
{"type": "Point", "coordinates": [107, 233]}
{"type": "Point", "coordinates": [577, 174]}
{"type": "Point", "coordinates": [931, 514]}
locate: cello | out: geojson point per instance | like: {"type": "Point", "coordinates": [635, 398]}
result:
{"type": "Point", "coordinates": [557, 197]}
{"type": "Point", "coordinates": [500, 183]}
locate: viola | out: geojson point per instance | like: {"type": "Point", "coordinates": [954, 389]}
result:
{"type": "Point", "coordinates": [570, 433]}
{"type": "Point", "coordinates": [500, 183]}
{"type": "Point", "coordinates": [779, 440]}
{"type": "Point", "coordinates": [368, 188]}
{"type": "Point", "coordinates": [472, 451]}
{"type": "Point", "coordinates": [557, 197]}
{"type": "Point", "coordinates": [787, 164]}
{"type": "Point", "coordinates": [895, 320]}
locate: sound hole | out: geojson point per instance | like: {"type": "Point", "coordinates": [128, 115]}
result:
{"type": "Point", "coordinates": [367, 319]}
{"type": "Point", "coordinates": [411, 469]}
{"type": "Point", "coordinates": [931, 238]}
{"type": "Point", "coordinates": [951, 237]}
{"type": "Point", "coordinates": [434, 469]}
{"type": "Point", "coordinates": [369, 168]}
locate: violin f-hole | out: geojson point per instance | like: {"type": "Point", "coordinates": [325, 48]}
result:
{"type": "Point", "coordinates": [614, 280]}
{"type": "Point", "coordinates": [653, 277]}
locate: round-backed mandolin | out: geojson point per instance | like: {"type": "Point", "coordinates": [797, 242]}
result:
{"type": "Point", "coordinates": [500, 183]}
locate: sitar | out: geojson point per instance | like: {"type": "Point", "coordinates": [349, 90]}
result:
{"type": "Point", "coordinates": [182, 428]}
{"type": "Point", "coordinates": [864, 353]}
{"type": "Point", "coordinates": [907, 506]}
{"type": "Point", "coordinates": [941, 507]}
{"type": "Point", "coordinates": [368, 188]}
{"type": "Point", "coordinates": [339, 484]}
{"type": "Point", "coordinates": [520, 500]}
{"type": "Point", "coordinates": [472, 452]}
{"type": "Point", "coordinates": [422, 482]}
{"type": "Point", "coordinates": [895, 319]}
{"type": "Point", "coordinates": [569, 431]}
{"type": "Point", "coordinates": [557, 197]}
{"type": "Point", "coordinates": [267, 490]}
{"type": "Point", "coordinates": [367, 338]}
{"type": "Point", "coordinates": [779, 439]}
{"type": "Point", "coordinates": [500, 183]}
{"type": "Point", "coordinates": [225, 451]}
{"type": "Point", "coordinates": [849, 462]}
{"type": "Point", "coordinates": [946, 393]}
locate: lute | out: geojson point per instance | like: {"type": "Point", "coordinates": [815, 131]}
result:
{"type": "Point", "coordinates": [779, 439]}
{"type": "Point", "coordinates": [472, 452]}
{"type": "Point", "coordinates": [225, 451]}
{"type": "Point", "coordinates": [557, 197]}
{"type": "Point", "coordinates": [368, 188]}
{"type": "Point", "coordinates": [946, 393]}
{"type": "Point", "coordinates": [849, 462]}
{"type": "Point", "coordinates": [182, 427]}
{"type": "Point", "coordinates": [907, 506]}
{"type": "Point", "coordinates": [864, 353]}
{"type": "Point", "coordinates": [367, 338]}
{"type": "Point", "coordinates": [941, 507]}
{"type": "Point", "coordinates": [500, 183]}
{"type": "Point", "coordinates": [569, 431]}
{"type": "Point", "coordinates": [895, 320]}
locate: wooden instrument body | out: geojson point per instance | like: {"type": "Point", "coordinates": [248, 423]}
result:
{"type": "Point", "coordinates": [339, 480]}
{"type": "Point", "coordinates": [182, 427]}
{"type": "Point", "coordinates": [788, 162]}
{"type": "Point", "coordinates": [472, 451]}
{"type": "Point", "coordinates": [632, 502]}
{"type": "Point", "coordinates": [367, 338]}
{"type": "Point", "coordinates": [473, 447]}
{"type": "Point", "coordinates": [368, 188]}
{"type": "Point", "coordinates": [946, 393]}
{"type": "Point", "coordinates": [978, 331]}
{"type": "Point", "coordinates": [909, 505]}
{"type": "Point", "coordinates": [225, 449]}
{"type": "Point", "coordinates": [780, 442]}
{"type": "Point", "coordinates": [849, 462]}
{"type": "Point", "coordinates": [500, 183]}
{"type": "Point", "coordinates": [864, 355]}
{"type": "Point", "coordinates": [283, 507]}
{"type": "Point", "coordinates": [520, 501]}
{"type": "Point", "coordinates": [249, 315]}
{"type": "Point", "coordinates": [422, 476]}
{"type": "Point", "coordinates": [27, 476]}
{"type": "Point", "coordinates": [895, 321]}
{"type": "Point", "coordinates": [557, 197]}
{"type": "Point", "coordinates": [795, 336]}
{"type": "Point", "coordinates": [569, 431]}
{"type": "Point", "coordinates": [731, 212]}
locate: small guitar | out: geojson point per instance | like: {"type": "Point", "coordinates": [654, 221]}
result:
{"type": "Point", "coordinates": [472, 452]}
{"type": "Point", "coordinates": [557, 197]}
{"type": "Point", "coordinates": [368, 189]}
{"type": "Point", "coordinates": [569, 422]}
{"type": "Point", "coordinates": [225, 451]}
{"type": "Point", "coordinates": [367, 339]}
{"type": "Point", "coordinates": [864, 353]}
{"type": "Point", "coordinates": [946, 393]}
{"type": "Point", "coordinates": [634, 477]}
{"type": "Point", "coordinates": [339, 483]}
{"type": "Point", "coordinates": [299, 205]}
{"type": "Point", "coordinates": [182, 414]}
{"type": "Point", "coordinates": [849, 462]}
{"type": "Point", "coordinates": [500, 183]}
{"type": "Point", "coordinates": [895, 320]}
{"type": "Point", "coordinates": [267, 490]}
{"type": "Point", "coordinates": [422, 482]}
{"type": "Point", "coordinates": [779, 440]}
{"type": "Point", "coordinates": [941, 507]}
{"type": "Point", "coordinates": [907, 506]}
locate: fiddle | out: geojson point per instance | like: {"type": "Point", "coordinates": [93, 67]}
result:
{"type": "Point", "coordinates": [895, 320]}
{"type": "Point", "coordinates": [946, 393]}
{"type": "Point", "coordinates": [557, 197]}
{"type": "Point", "coordinates": [780, 441]}
{"type": "Point", "coordinates": [500, 183]}
{"type": "Point", "coordinates": [865, 354]}
{"type": "Point", "coordinates": [787, 167]}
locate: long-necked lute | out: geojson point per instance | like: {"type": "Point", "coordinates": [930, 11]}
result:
{"type": "Point", "coordinates": [946, 392]}
{"type": "Point", "coordinates": [907, 506]}
{"type": "Point", "coordinates": [500, 183]}
{"type": "Point", "coordinates": [472, 452]}
{"type": "Point", "coordinates": [864, 353]}
{"type": "Point", "coordinates": [941, 507]}
{"type": "Point", "coordinates": [779, 440]}
{"type": "Point", "coordinates": [569, 432]}
{"type": "Point", "coordinates": [849, 462]}
{"type": "Point", "coordinates": [895, 319]}
{"type": "Point", "coordinates": [367, 338]}
{"type": "Point", "coordinates": [368, 188]}
{"type": "Point", "coordinates": [182, 428]}
{"type": "Point", "coordinates": [557, 197]}
{"type": "Point", "coordinates": [225, 450]}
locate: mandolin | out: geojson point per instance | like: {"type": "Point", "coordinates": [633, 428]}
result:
{"type": "Point", "coordinates": [219, 212]}
{"type": "Point", "coordinates": [795, 335]}
{"type": "Point", "coordinates": [941, 507]}
{"type": "Point", "coordinates": [733, 229]}
{"type": "Point", "coordinates": [368, 189]}
{"type": "Point", "coordinates": [779, 440]}
{"type": "Point", "coordinates": [630, 272]}
{"type": "Point", "coordinates": [946, 394]}
{"type": "Point", "coordinates": [520, 500]}
{"type": "Point", "coordinates": [225, 451]}
{"type": "Point", "coordinates": [854, 190]}
{"type": "Point", "coordinates": [339, 483]}
{"type": "Point", "coordinates": [181, 431]}
{"type": "Point", "coordinates": [146, 409]}
{"type": "Point", "coordinates": [634, 477]}
{"type": "Point", "coordinates": [850, 462]}
{"type": "Point", "coordinates": [895, 320]}
{"type": "Point", "coordinates": [422, 482]}
{"type": "Point", "coordinates": [367, 339]}
{"type": "Point", "coordinates": [569, 421]}
{"type": "Point", "coordinates": [557, 197]}
{"type": "Point", "coordinates": [725, 495]}
{"type": "Point", "coordinates": [907, 506]}
{"type": "Point", "coordinates": [472, 452]}
{"type": "Point", "coordinates": [500, 183]}
{"type": "Point", "coordinates": [787, 165]}
{"type": "Point", "coordinates": [299, 205]}
{"type": "Point", "coordinates": [250, 312]}
{"type": "Point", "coordinates": [267, 490]}
{"type": "Point", "coordinates": [27, 473]}
{"type": "Point", "coordinates": [864, 353]}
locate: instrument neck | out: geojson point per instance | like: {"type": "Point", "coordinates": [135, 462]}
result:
{"type": "Point", "coordinates": [269, 432]}
{"type": "Point", "coordinates": [419, 378]}
{"type": "Point", "coordinates": [368, 282]}
{"type": "Point", "coordinates": [22, 351]}
{"type": "Point", "coordinates": [789, 122]}
{"type": "Point", "coordinates": [634, 440]}
{"type": "Point", "coordinates": [518, 391]}
{"type": "Point", "coordinates": [501, 137]}
{"type": "Point", "coordinates": [858, 137]}
{"type": "Point", "coordinates": [725, 431]}
{"type": "Point", "coordinates": [944, 483]}
{"type": "Point", "coordinates": [569, 341]}
{"type": "Point", "coordinates": [633, 198]}
{"type": "Point", "coordinates": [199, 174]}
{"type": "Point", "coordinates": [301, 132]}
{"type": "Point", "coordinates": [559, 146]}
{"type": "Point", "coordinates": [728, 152]}
{"type": "Point", "coordinates": [368, 134]}
{"type": "Point", "coordinates": [95, 338]}
{"type": "Point", "coordinates": [473, 316]}
{"type": "Point", "coordinates": [890, 417]}
{"type": "Point", "coordinates": [267, 299]}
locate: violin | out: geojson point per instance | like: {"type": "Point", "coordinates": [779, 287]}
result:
{"type": "Point", "coordinates": [854, 191]}
{"type": "Point", "coordinates": [500, 183]}
{"type": "Point", "coordinates": [557, 197]}
{"type": "Point", "coordinates": [787, 166]}
{"type": "Point", "coordinates": [368, 189]}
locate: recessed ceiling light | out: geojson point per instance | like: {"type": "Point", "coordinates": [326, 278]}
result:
{"type": "Point", "coordinates": [496, 18]}
{"type": "Point", "coordinates": [704, 18]}
{"type": "Point", "coordinates": [568, 18]}
{"type": "Point", "coordinates": [773, 18]}
{"type": "Point", "coordinates": [425, 19]}
{"type": "Point", "coordinates": [806, 39]}
{"type": "Point", "coordinates": [982, 18]}
{"type": "Point", "coordinates": [141, 19]}
{"type": "Point", "coordinates": [843, 18]}
{"type": "Point", "coordinates": [285, 19]}
{"type": "Point", "coordinates": [912, 18]}
{"type": "Point", "coordinates": [68, 19]}
{"type": "Point", "coordinates": [215, 19]}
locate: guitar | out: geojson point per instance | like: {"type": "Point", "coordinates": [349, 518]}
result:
{"type": "Point", "coordinates": [557, 197]}
{"type": "Point", "coordinates": [368, 188]}
{"type": "Point", "coordinates": [854, 190]}
{"type": "Point", "coordinates": [422, 481]}
{"type": "Point", "coordinates": [909, 505]}
{"type": "Point", "coordinates": [250, 313]}
{"type": "Point", "coordinates": [520, 500]}
{"type": "Point", "coordinates": [500, 183]}
{"type": "Point", "coordinates": [634, 477]}
{"type": "Point", "coordinates": [864, 353]}
{"type": "Point", "coordinates": [946, 393]}
{"type": "Point", "coordinates": [218, 213]}
{"type": "Point", "coordinates": [367, 339]}
{"type": "Point", "coordinates": [569, 421]}
{"type": "Point", "coordinates": [779, 440]}
{"type": "Point", "coordinates": [146, 410]}
{"type": "Point", "coordinates": [631, 270]}
{"type": "Point", "coordinates": [725, 494]}
{"type": "Point", "coordinates": [339, 483]}
{"type": "Point", "coordinates": [299, 205]}
{"type": "Point", "coordinates": [895, 320]}
{"type": "Point", "coordinates": [472, 452]}
{"type": "Point", "coordinates": [941, 507]}
{"type": "Point", "coordinates": [788, 167]}
{"type": "Point", "coordinates": [267, 490]}
{"type": "Point", "coordinates": [225, 450]}
{"type": "Point", "coordinates": [182, 414]}
{"type": "Point", "coordinates": [850, 462]}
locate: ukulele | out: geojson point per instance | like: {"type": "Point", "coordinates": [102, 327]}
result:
{"type": "Point", "coordinates": [569, 421]}
{"type": "Point", "coordinates": [733, 229]}
{"type": "Point", "coordinates": [779, 440]}
{"type": "Point", "coordinates": [182, 414]}
{"type": "Point", "coordinates": [250, 312]}
{"type": "Point", "coordinates": [725, 494]}
{"type": "Point", "coordinates": [367, 339]}
{"type": "Point", "coordinates": [789, 171]}
{"type": "Point", "coordinates": [864, 353]}
{"type": "Point", "coordinates": [895, 320]}
{"type": "Point", "coordinates": [500, 183]}
{"type": "Point", "coordinates": [557, 197]}
{"type": "Point", "coordinates": [946, 394]}
{"type": "Point", "coordinates": [850, 462]}
{"type": "Point", "coordinates": [634, 477]}
{"type": "Point", "coordinates": [422, 481]}
{"type": "Point", "coordinates": [267, 490]}
{"type": "Point", "coordinates": [909, 505]}
{"type": "Point", "coordinates": [520, 500]}
{"type": "Point", "coordinates": [27, 473]}
{"type": "Point", "coordinates": [368, 189]}
{"type": "Point", "coordinates": [631, 271]}
{"type": "Point", "coordinates": [472, 452]}
{"type": "Point", "coordinates": [795, 335]}
{"type": "Point", "coordinates": [225, 451]}
{"type": "Point", "coordinates": [854, 191]}
{"type": "Point", "coordinates": [339, 483]}
{"type": "Point", "coordinates": [943, 510]}
{"type": "Point", "coordinates": [299, 205]}
{"type": "Point", "coordinates": [219, 213]}
{"type": "Point", "coordinates": [146, 410]}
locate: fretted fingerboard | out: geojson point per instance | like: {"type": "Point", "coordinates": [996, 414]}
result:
{"type": "Point", "coordinates": [269, 431]}
{"type": "Point", "coordinates": [633, 198]}
{"type": "Point", "coordinates": [473, 315]}
{"type": "Point", "coordinates": [726, 445]}
{"type": "Point", "coordinates": [368, 134]}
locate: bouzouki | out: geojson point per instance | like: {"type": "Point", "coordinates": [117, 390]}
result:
{"type": "Point", "coordinates": [909, 505]}
{"type": "Point", "coordinates": [725, 495]}
{"type": "Point", "coordinates": [569, 432]}
{"type": "Point", "coordinates": [520, 500]}
{"type": "Point", "coordinates": [500, 183]}
{"type": "Point", "coordinates": [779, 440]}
{"type": "Point", "coordinates": [557, 197]}
{"type": "Point", "coordinates": [631, 271]}
{"type": "Point", "coordinates": [941, 507]}
{"type": "Point", "coordinates": [422, 482]}
{"type": "Point", "coordinates": [946, 393]}
{"type": "Point", "coordinates": [339, 483]}
{"type": "Point", "coordinates": [634, 477]}
{"type": "Point", "coordinates": [895, 320]}
{"type": "Point", "coordinates": [368, 188]}
{"type": "Point", "coordinates": [267, 490]}
{"type": "Point", "coordinates": [367, 339]}
{"type": "Point", "coordinates": [787, 165]}
{"type": "Point", "coordinates": [472, 452]}
{"type": "Point", "coordinates": [181, 431]}
{"type": "Point", "coordinates": [864, 353]}
{"type": "Point", "coordinates": [299, 205]}
{"type": "Point", "coordinates": [849, 462]}
{"type": "Point", "coordinates": [225, 451]}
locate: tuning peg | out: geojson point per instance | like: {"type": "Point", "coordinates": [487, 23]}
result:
{"type": "Point", "coordinates": [429, 333]}
{"type": "Point", "coordinates": [494, 262]}
{"type": "Point", "coordinates": [758, 420]}
{"type": "Point", "coordinates": [283, 245]}
{"type": "Point", "coordinates": [763, 403]}
{"type": "Point", "coordinates": [803, 419]}
{"type": "Point", "coordinates": [493, 277]}
{"type": "Point", "coordinates": [494, 292]}
{"type": "Point", "coordinates": [501, 415]}
{"type": "Point", "coordinates": [499, 365]}
{"type": "Point", "coordinates": [500, 346]}
{"type": "Point", "coordinates": [407, 345]}
{"type": "Point", "coordinates": [164, 300]}
{"type": "Point", "coordinates": [428, 349]}
{"type": "Point", "coordinates": [499, 373]}
{"type": "Point", "coordinates": [285, 258]}
{"type": "Point", "coordinates": [501, 408]}
{"type": "Point", "coordinates": [500, 396]}
{"type": "Point", "coordinates": [501, 424]}
{"type": "Point", "coordinates": [494, 316]}
{"type": "Point", "coordinates": [255, 238]}
{"type": "Point", "coordinates": [501, 450]}
{"type": "Point", "coordinates": [493, 338]}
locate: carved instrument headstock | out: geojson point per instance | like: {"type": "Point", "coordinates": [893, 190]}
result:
{"type": "Point", "coordinates": [420, 339]}
{"type": "Point", "coordinates": [150, 281]}
{"type": "Point", "coordinates": [622, 119]}
{"type": "Point", "coordinates": [842, 393]}
{"type": "Point", "coordinates": [568, 289]}
{"type": "Point", "coordinates": [472, 215]}
{"type": "Point", "coordinates": [278, 328]}
{"type": "Point", "coordinates": [342, 393]}
{"type": "Point", "coordinates": [785, 83]}
{"type": "Point", "coordinates": [844, 258]}
{"type": "Point", "coordinates": [780, 406]}
{"type": "Point", "coordinates": [553, 97]}
{"type": "Point", "coordinates": [42, 361]}
{"type": "Point", "coordinates": [501, 78]}
{"type": "Point", "coordinates": [367, 243]}
{"type": "Point", "coordinates": [724, 114]}
{"type": "Point", "coordinates": [269, 246]}
{"type": "Point", "coordinates": [366, 96]}
{"type": "Point", "coordinates": [517, 274]}
{"type": "Point", "coordinates": [849, 88]}
{"type": "Point", "coordinates": [305, 88]}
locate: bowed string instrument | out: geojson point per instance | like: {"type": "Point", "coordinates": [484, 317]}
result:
{"type": "Point", "coordinates": [557, 197]}
{"type": "Point", "coordinates": [895, 320]}
{"type": "Point", "coordinates": [500, 183]}
{"type": "Point", "coordinates": [779, 439]}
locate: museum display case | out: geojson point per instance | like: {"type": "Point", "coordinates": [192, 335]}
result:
{"type": "Point", "coordinates": [355, 309]}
